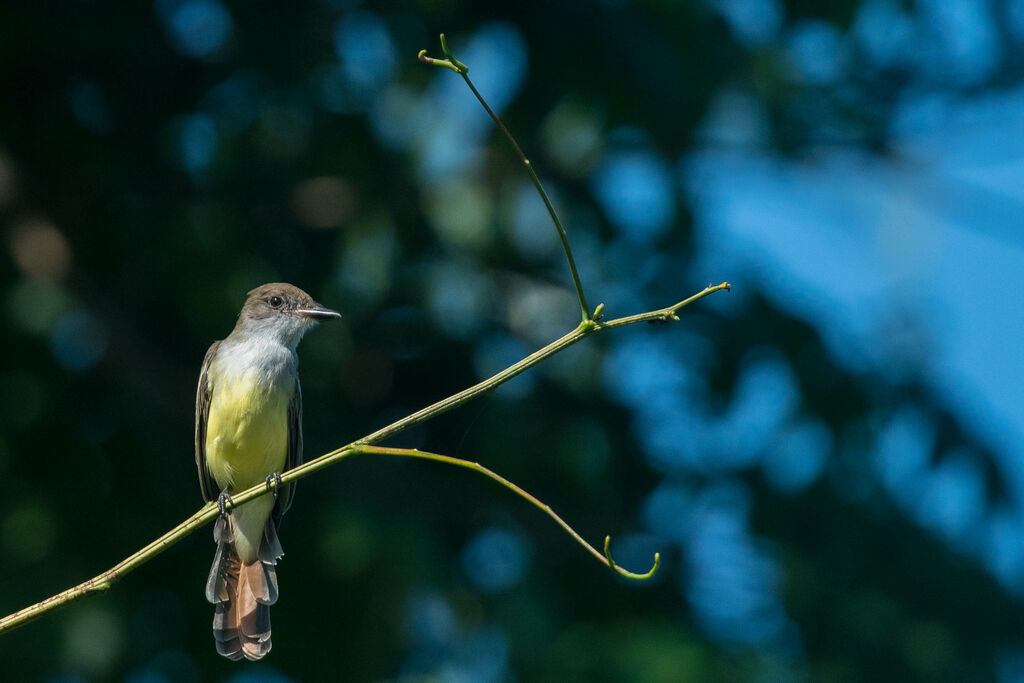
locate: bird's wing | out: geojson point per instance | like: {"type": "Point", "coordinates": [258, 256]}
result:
{"type": "Point", "coordinates": [294, 456]}
{"type": "Point", "coordinates": [206, 482]}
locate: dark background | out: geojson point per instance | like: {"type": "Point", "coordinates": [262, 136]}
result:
{"type": "Point", "coordinates": [828, 458]}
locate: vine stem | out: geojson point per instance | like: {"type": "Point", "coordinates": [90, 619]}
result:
{"type": "Point", "coordinates": [458, 67]}
{"type": "Point", "coordinates": [209, 512]}
{"type": "Point", "coordinates": [605, 558]}
{"type": "Point", "coordinates": [590, 323]}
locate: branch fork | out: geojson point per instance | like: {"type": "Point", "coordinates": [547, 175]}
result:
{"type": "Point", "coordinates": [592, 321]}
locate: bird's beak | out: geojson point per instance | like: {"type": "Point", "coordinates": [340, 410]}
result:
{"type": "Point", "coordinates": [316, 312]}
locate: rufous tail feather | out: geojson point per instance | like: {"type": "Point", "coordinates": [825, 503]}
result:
{"type": "Point", "coordinates": [242, 594]}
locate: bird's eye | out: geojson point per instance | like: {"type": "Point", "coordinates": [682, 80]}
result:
{"type": "Point", "coordinates": [275, 301]}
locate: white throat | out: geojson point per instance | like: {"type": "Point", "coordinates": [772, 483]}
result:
{"type": "Point", "coordinates": [262, 355]}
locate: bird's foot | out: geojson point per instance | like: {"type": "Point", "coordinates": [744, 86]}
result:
{"type": "Point", "coordinates": [274, 483]}
{"type": "Point", "coordinates": [224, 502]}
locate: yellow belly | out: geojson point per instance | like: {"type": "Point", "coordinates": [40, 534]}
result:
{"type": "Point", "coordinates": [246, 432]}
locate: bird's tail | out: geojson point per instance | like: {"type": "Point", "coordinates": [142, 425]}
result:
{"type": "Point", "coordinates": [242, 594]}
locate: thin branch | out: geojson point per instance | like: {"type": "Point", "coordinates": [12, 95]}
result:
{"type": "Point", "coordinates": [605, 558]}
{"type": "Point", "coordinates": [112, 575]}
{"type": "Point", "coordinates": [209, 512]}
{"type": "Point", "coordinates": [667, 314]}
{"type": "Point", "coordinates": [463, 70]}
{"type": "Point", "coordinates": [590, 324]}
{"type": "Point", "coordinates": [581, 331]}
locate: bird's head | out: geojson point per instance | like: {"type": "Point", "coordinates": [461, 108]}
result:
{"type": "Point", "coordinates": [282, 310]}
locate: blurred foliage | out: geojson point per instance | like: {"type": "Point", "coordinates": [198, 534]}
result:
{"type": "Point", "coordinates": [157, 160]}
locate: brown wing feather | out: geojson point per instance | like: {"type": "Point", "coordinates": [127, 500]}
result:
{"type": "Point", "coordinates": [294, 456]}
{"type": "Point", "coordinates": [206, 482]}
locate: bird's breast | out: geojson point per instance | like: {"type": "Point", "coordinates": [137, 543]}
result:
{"type": "Point", "coordinates": [247, 426]}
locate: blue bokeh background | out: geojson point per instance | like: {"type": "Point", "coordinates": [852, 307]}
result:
{"type": "Point", "coordinates": [830, 458]}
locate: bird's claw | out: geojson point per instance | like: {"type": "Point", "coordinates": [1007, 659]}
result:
{"type": "Point", "coordinates": [224, 502]}
{"type": "Point", "coordinates": [274, 483]}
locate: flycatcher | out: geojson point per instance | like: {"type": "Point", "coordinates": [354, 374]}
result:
{"type": "Point", "coordinates": [249, 430]}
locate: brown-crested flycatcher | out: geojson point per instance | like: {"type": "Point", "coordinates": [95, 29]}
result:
{"type": "Point", "coordinates": [249, 430]}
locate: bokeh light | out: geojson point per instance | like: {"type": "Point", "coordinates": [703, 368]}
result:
{"type": "Point", "coordinates": [197, 28]}
{"type": "Point", "coordinates": [828, 458]}
{"type": "Point", "coordinates": [40, 250]}
{"type": "Point", "coordinates": [494, 560]}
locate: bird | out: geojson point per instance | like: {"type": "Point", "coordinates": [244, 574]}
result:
{"type": "Point", "coordinates": [248, 431]}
